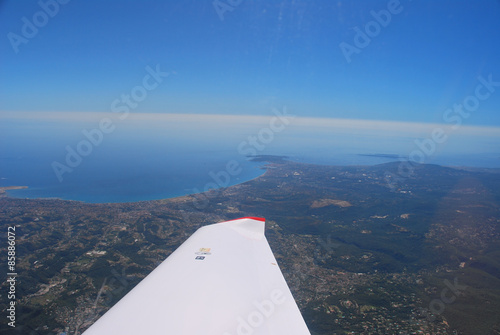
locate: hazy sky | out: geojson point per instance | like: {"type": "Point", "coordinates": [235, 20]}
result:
{"type": "Point", "coordinates": [411, 62]}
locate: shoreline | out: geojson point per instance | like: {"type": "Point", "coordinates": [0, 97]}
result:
{"type": "Point", "coordinates": [269, 163]}
{"type": "Point", "coordinates": [4, 189]}
{"type": "Point", "coordinates": [5, 194]}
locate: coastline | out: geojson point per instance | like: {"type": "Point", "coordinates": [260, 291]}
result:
{"type": "Point", "coordinates": [269, 163]}
{"type": "Point", "coordinates": [189, 191]}
{"type": "Point", "coordinates": [4, 189]}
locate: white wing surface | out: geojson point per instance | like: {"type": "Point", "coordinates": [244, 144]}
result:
{"type": "Point", "coordinates": [223, 280]}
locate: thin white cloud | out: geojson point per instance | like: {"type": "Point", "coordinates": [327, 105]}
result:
{"type": "Point", "coordinates": [221, 122]}
{"type": "Point", "coordinates": [392, 128]}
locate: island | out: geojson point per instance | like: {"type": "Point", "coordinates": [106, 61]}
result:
{"type": "Point", "coordinates": [4, 189]}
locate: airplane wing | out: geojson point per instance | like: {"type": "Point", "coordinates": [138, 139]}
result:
{"type": "Point", "coordinates": [223, 280]}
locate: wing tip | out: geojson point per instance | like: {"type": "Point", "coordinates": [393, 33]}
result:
{"type": "Point", "coordinates": [251, 227]}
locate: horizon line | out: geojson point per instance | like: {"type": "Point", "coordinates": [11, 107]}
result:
{"type": "Point", "coordinates": [297, 120]}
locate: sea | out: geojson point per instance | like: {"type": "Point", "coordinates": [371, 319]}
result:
{"type": "Point", "coordinates": [74, 162]}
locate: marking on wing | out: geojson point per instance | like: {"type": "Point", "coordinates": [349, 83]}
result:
{"type": "Point", "coordinates": [203, 251]}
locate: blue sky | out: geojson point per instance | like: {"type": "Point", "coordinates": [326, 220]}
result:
{"type": "Point", "coordinates": [262, 55]}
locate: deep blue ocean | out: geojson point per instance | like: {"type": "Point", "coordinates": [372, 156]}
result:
{"type": "Point", "coordinates": [109, 175]}
{"type": "Point", "coordinates": [123, 181]}
{"type": "Point", "coordinates": [135, 164]}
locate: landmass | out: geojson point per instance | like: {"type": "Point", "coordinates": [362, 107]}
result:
{"type": "Point", "coordinates": [361, 255]}
{"type": "Point", "coordinates": [4, 189]}
{"type": "Point", "coordinates": [390, 156]}
{"type": "Point", "coordinates": [268, 158]}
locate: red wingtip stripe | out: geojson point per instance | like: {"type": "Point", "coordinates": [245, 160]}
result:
{"type": "Point", "coordinates": [250, 217]}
